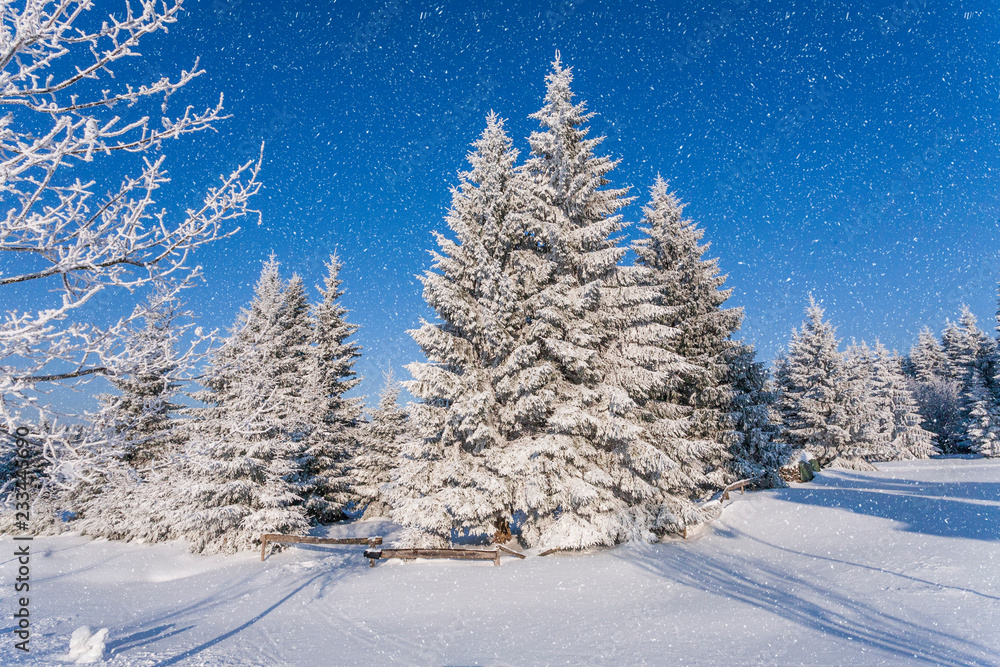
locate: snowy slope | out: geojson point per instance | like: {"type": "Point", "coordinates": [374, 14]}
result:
{"type": "Point", "coordinates": [894, 567]}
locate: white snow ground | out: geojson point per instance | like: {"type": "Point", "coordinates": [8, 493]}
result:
{"type": "Point", "coordinates": [894, 567]}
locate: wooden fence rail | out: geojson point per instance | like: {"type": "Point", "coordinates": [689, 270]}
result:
{"type": "Point", "coordinates": [510, 551]}
{"type": "Point", "coordinates": [741, 485]}
{"type": "Point", "coordinates": [456, 554]}
{"type": "Point", "coordinates": [275, 538]}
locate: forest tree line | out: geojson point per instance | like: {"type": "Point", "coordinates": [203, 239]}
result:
{"type": "Point", "coordinates": [566, 397]}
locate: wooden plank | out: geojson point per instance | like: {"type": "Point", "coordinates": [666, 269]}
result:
{"type": "Point", "coordinates": [510, 551]}
{"type": "Point", "coordinates": [741, 485]}
{"type": "Point", "coordinates": [462, 554]}
{"type": "Point", "coordinates": [549, 551]}
{"type": "Point", "coordinates": [269, 538]}
{"type": "Point", "coordinates": [453, 554]}
{"type": "Point", "coordinates": [293, 539]}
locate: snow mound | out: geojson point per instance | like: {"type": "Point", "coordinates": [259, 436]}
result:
{"type": "Point", "coordinates": [86, 647]}
{"type": "Point", "coordinates": [851, 464]}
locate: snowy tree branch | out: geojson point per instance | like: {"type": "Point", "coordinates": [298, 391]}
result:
{"type": "Point", "coordinates": [66, 237]}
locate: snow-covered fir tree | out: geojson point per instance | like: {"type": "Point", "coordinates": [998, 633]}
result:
{"type": "Point", "coordinates": [473, 393]}
{"type": "Point", "coordinates": [908, 440]}
{"type": "Point", "coordinates": [582, 488]}
{"type": "Point", "coordinates": [643, 370]}
{"type": "Point", "coordinates": [937, 392]}
{"type": "Point", "coordinates": [136, 429]}
{"type": "Point", "coordinates": [967, 348]}
{"type": "Point", "coordinates": [939, 403]}
{"type": "Point", "coordinates": [927, 358]}
{"type": "Point", "coordinates": [895, 433]}
{"type": "Point", "coordinates": [758, 454]}
{"type": "Point", "coordinates": [236, 480]}
{"type": "Point", "coordinates": [292, 361]}
{"type": "Point", "coordinates": [862, 411]}
{"type": "Point", "coordinates": [973, 356]}
{"type": "Point", "coordinates": [811, 381]}
{"type": "Point", "coordinates": [380, 442]}
{"type": "Point", "coordinates": [691, 290]}
{"type": "Point", "coordinates": [651, 362]}
{"type": "Point", "coordinates": [333, 418]}
{"type": "Point", "coordinates": [141, 417]}
{"type": "Point", "coordinates": [982, 419]}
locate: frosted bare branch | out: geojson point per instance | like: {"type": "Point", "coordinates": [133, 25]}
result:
{"type": "Point", "coordinates": [79, 220]}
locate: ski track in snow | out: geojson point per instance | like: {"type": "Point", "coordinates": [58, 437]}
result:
{"type": "Point", "coordinates": [891, 567]}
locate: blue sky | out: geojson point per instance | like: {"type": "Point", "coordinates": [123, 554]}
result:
{"type": "Point", "coordinates": [848, 149]}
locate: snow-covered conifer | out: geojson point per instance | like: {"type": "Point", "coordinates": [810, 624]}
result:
{"type": "Point", "coordinates": [928, 358]}
{"type": "Point", "coordinates": [811, 382]}
{"type": "Point", "coordinates": [475, 390]}
{"type": "Point", "coordinates": [939, 403]}
{"type": "Point", "coordinates": [292, 358]}
{"type": "Point", "coordinates": [333, 417]}
{"type": "Point", "coordinates": [236, 478]}
{"type": "Point", "coordinates": [974, 356]}
{"type": "Point", "coordinates": [907, 440]}
{"type": "Point", "coordinates": [582, 489]}
{"type": "Point", "coordinates": [966, 347]}
{"type": "Point", "coordinates": [937, 391]}
{"type": "Point", "coordinates": [136, 429]}
{"type": "Point", "coordinates": [982, 420]}
{"type": "Point", "coordinates": [141, 418]}
{"type": "Point", "coordinates": [379, 444]}
{"type": "Point", "coordinates": [758, 454]}
{"type": "Point", "coordinates": [673, 341]}
{"type": "Point", "coordinates": [691, 288]}
{"type": "Point", "coordinates": [862, 410]}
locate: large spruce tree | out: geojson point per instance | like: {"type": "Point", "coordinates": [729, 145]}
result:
{"type": "Point", "coordinates": [380, 443]}
{"type": "Point", "coordinates": [476, 389]}
{"type": "Point", "coordinates": [582, 486]}
{"type": "Point", "coordinates": [812, 384]}
{"type": "Point", "coordinates": [333, 418]}
{"type": "Point", "coordinates": [237, 478]}
{"type": "Point", "coordinates": [690, 290]}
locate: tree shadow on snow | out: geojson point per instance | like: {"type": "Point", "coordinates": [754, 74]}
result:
{"type": "Point", "coordinates": [220, 604]}
{"type": "Point", "coordinates": [796, 599]}
{"type": "Point", "coordinates": [137, 639]}
{"type": "Point", "coordinates": [966, 509]}
{"type": "Point", "coordinates": [871, 568]}
{"type": "Point", "coordinates": [42, 551]}
{"type": "Point", "coordinates": [226, 635]}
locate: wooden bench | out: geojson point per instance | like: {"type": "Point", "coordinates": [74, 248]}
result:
{"type": "Point", "coordinates": [276, 538]}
